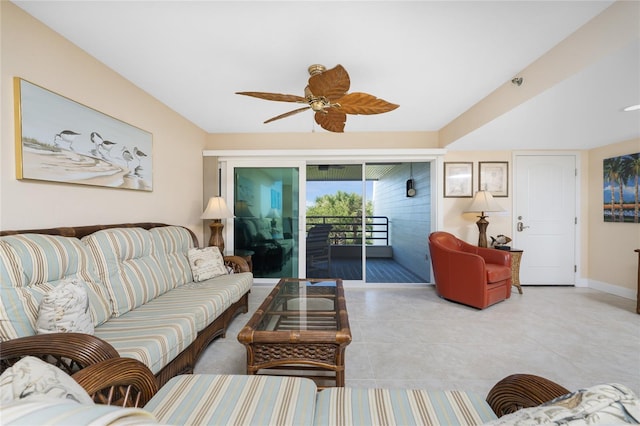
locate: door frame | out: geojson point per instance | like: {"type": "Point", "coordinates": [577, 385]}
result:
{"type": "Point", "coordinates": [580, 211]}
{"type": "Point", "coordinates": [300, 158]}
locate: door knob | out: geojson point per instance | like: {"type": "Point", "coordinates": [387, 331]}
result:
{"type": "Point", "coordinates": [520, 227]}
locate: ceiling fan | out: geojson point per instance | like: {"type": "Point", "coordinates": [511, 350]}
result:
{"type": "Point", "coordinates": [326, 94]}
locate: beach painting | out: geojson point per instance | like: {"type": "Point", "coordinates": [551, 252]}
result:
{"type": "Point", "coordinates": [620, 189]}
{"type": "Point", "coordinates": [60, 140]}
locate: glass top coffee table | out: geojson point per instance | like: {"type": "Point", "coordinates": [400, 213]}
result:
{"type": "Point", "coordinates": [301, 329]}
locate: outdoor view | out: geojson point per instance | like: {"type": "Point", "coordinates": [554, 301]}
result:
{"type": "Point", "coordinates": [335, 230]}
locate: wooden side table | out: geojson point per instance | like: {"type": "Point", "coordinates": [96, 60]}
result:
{"type": "Point", "coordinates": [516, 256]}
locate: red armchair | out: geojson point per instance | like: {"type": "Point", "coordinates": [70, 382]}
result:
{"type": "Point", "coordinates": [467, 274]}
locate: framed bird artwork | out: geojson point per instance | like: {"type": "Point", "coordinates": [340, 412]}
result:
{"type": "Point", "coordinates": [60, 140]}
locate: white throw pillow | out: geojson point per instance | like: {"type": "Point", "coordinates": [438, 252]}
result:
{"type": "Point", "coordinates": [65, 309]}
{"type": "Point", "coordinates": [33, 378]}
{"type": "Point", "coordinates": [206, 263]}
{"type": "Point", "coordinates": [606, 404]}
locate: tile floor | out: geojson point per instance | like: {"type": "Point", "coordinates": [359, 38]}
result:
{"type": "Point", "coordinates": [410, 338]}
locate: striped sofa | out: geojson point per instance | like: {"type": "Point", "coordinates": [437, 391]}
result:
{"type": "Point", "coordinates": [143, 301]}
{"type": "Point", "coordinates": [270, 400]}
{"type": "Point", "coordinates": [225, 400]}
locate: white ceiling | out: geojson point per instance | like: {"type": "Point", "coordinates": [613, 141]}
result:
{"type": "Point", "coordinates": [434, 58]}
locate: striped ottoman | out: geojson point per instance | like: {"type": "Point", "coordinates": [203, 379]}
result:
{"type": "Point", "coordinates": [204, 399]}
{"type": "Point", "coordinates": [401, 407]}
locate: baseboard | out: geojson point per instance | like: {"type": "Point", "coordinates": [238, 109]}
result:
{"type": "Point", "coordinates": [612, 289]}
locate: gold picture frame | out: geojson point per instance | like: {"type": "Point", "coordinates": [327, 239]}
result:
{"type": "Point", "coordinates": [60, 140]}
{"type": "Point", "coordinates": [493, 176]}
{"type": "Point", "coordinates": [458, 179]}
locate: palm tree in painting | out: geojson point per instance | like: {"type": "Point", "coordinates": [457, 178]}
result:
{"type": "Point", "coordinates": [634, 168]}
{"type": "Point", "coordinates": [624, 174]}
{"type": "Point", "coordinates": [611, 173]}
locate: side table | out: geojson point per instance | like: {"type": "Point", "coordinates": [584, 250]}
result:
{"type": "Point", "coordinates": [516, 256]}
{"type": "Point", "coordinates": [246, 255]}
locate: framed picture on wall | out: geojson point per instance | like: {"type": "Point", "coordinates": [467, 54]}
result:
{"type": "Point", "coordinates": [458, 180]}
{"type": "Point", "coordinates": [60, 140]}
{"type": "Point", "coordinates": [493, 176]}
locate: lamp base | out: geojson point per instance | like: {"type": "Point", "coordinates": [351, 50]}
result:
{"type": "Point", "coordinates": [482, 227]}
{"type": "Point", "coordinates": [216, 235]}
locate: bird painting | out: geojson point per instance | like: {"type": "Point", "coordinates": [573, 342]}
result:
{"type": "Point", "coordinates": [127, 156]}
{"type": "Point", "coordinates": [139, 154]}
{"type": "Point", "coordinates": [66, 137]}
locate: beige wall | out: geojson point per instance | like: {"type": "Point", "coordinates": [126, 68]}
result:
{"type": "Point", "coordinates": [611, 259]}
{"type": "Point", "coordinates": [462, 224]}
{"type": "Point", "coordinates": [323, 140]}
{"type": "Point", "coordinates": [33, 52]}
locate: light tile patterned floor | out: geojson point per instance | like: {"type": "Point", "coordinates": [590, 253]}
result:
{"type": "Point", "coordinates": [411, 338]}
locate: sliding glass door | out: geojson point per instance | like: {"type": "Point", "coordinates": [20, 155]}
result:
{"type": "Point", "coordinates": [363, 221]}
{"type": "Point", "coordinates": [266, 209]}
{"type": "Point", "coordinates": [368, 222]}
{"type": "Point", "coordinates": [334, 217]}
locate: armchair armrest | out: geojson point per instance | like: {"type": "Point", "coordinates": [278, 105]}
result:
{"type": "Point", "coordinates": [522, 391]}
{"type": "Point", "coordinates": [67, 351]}
{"type": "Point", "coordinates": [490, 255]}
{"type": "Point", "coordinates": [237, 263]}
{"type": "Point", "coordinates": [124, 382]}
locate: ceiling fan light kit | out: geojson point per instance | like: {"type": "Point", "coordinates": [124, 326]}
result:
{"type": "Point", "coordinates": [326, 95]}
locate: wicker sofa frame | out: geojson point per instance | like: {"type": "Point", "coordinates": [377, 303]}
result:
{"type": "Point", "coordinates": [75, 351]}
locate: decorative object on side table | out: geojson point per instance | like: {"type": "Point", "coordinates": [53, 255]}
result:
{"type": "Point", "coordinates": [217, 210]}
{"type": "Point", "coordinates": [500, 242]}
{"type": "Point", "coordinates": [483, 202]}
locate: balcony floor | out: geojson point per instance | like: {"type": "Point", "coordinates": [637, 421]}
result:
{"type": "Point", "coordinates": [379, 270]}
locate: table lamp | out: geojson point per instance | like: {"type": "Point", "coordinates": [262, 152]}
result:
{"type": "Point", "coordinates": [273, 214]}
{"type": "Point", "coordinates": [216, 209]}
{"type": "Point", "coordinates": [483, 202]}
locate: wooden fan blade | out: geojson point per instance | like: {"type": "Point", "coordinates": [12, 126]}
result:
{"type": "Point", "coordinates": [287, 114]}
{"type": "Point", "coordinates": [332, 84]}
{"type": "Point", "coordinates": [363, 103]}
{"type": "Point", "coordinates": [274, 96]}
{"type": "Point", "coordinates": [332, 120]}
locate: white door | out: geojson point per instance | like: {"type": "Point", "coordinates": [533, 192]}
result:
{"type": "Point", "coordinates": [545, 218]}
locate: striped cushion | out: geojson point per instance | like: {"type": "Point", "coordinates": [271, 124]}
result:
{"type": "Point", "coordinates": [128, 265]}
{"type": "Point", "coordinates": [152, 338]}
{"type": "Point", "coordinates": [234, 400]}
{"type": "Point", "coordinates": [33, 264]}
{"type": "Point", "coordinates": [203, 302]}
{"type": "Point", "coordinates": [172, 245]}
{"type": "Point", "coordinates": [61, 412]}
{"type": "Point", "coordinates": [346, 406]}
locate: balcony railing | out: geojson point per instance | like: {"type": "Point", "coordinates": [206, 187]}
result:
{"type": "Point", "coordinates": [347, 230]}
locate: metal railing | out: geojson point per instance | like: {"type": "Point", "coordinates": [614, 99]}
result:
{"type": "Point", "coordinates": [347, 230]}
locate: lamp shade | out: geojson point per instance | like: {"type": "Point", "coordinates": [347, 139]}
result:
{"type": "Point", "coordinates": [216, 209]}
{"type": "Point", "coordinates": [273, 214]}
{"type": "Point", "coordinates": [483, 201]}
{"type": "Point", "coordinates": [242, 209]}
